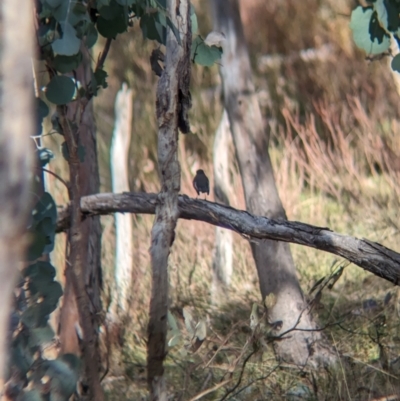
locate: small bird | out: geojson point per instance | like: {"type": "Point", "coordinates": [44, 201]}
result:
{"type": "Point", "coordinates": [201, 183]}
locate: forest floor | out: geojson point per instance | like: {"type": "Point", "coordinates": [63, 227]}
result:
{"type": "Point", "coordinates": [334, 123]}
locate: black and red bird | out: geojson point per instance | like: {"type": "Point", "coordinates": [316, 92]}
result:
{"type": "Point", "coordinates": [201, 183]}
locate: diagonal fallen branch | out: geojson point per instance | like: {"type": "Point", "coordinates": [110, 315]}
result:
{"type": "Point", "coordinates": [371, 256]}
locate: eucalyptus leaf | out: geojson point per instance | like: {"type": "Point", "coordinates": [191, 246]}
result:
{"type": "Point", "coordinates": [396, 63]}
{"type": "Point", "coordinates": [54, 3]}
{"type": "Point", "coordinates": [69, 44]}
{"type": "Point", "coordinates": [30, 395]}
{"type": "Point", "coordinates": [91, 36]}
{"type": "Point", "coordinates": [203, 54]}
{"type": "Point", "coordinates": [60, 90]}
{"type": "Point", "coordinates": [36, 245]}
{"type": "Point", "coordinates": [126, 2]}
{"type": "Point", "coordinates": [45, 207]}
{"type": "Point", "coordinates": [66, 64]}
{"type": "Point", "coordinates": [111, 28]}
{"type": "Point", "coordinates": [33, 316]}
{"type": "Point", "coordinates": [42, 108]}
{"type": "Point", "coordinates": [38, 269]}
{"type": "Point", "coordinates": [40, 336]}
{"type": "Point", "coordinates": [149, 29]}
{"type": "Point", "coordinates": [360, 24]}
{"type": "Point", "coordinates": [193, 18]}
{"type": "Point", "coordinates": [110, 11]}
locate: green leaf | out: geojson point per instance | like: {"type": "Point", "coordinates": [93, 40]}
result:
{"type": "Point", "coordinates": [64, 375]}
{"type": "Point", "coordinates": [69, 44]}
{"type": "Point", "coordinates": [40, 269]}
{"type": "Point", "coordinates": [162, 4]}
{"type": "Point", "coordinates": [71, 12]}
{"type": "Point", "coordinates": [91, 36]}
{"type": "Point", "coordinates": [33, 316]}
{"type": "Point", "coordinates": [54, 3]}
{"type": "Point", "coordinates": [396, 63]}
{"type": "Point", "coordinates": [30, 395]}
{"type": "Point", "coordinates": [21, 357]}
{"type": "Point", "coordinates": [66, 64]}
{"type": "Point", "coordinates": [110, 28]}
{"type": "Point", "coordinates": [149, 29]}
{"type": "Point", "coordinates": [360, 25]}
{"type": "Point", "coordinates": [45, 207]}
{"type": "Point", "coordinates": [375, 29]}
{"type": "Point", "coordinates": [40, 336]}
{"type": "Point", "coordinates": [42, 108]}
{"type": "Point", "coordinates": [60, 90]}
{"type": "Point", "coordinates": [381, 14]}
{"type": "Point", "coordinates": [36, 246]}
{"type": "Point", "coordinates": [52, 293]}
{"type": "Point", "coordinates": [126, 2]}
{"type": "Point", "coordinates": [110, 11]}
{"type": "Point", "coordinates": [101, 78]}
{"type": "Point", "coordinates": [193, 18]}
{"type": "Point", "coordinates": [203, 54]}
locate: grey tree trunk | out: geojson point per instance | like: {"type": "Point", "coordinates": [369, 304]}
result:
{"type": "Point", "coordinates": [172, 91]}
{"type": "Point", "coordinates": [276, 271]}
{"type": "Point", "coordinates": [223, 253]}
{"type": "Point", "coordinates": [17, 125]}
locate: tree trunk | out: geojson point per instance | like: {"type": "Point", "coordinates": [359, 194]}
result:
{"type": "Point", "coordinates": [17, 125]}
{"type": "Point", "coordinates": [172, 96]}
{"type": "Point", "coordinates": [276, 271]}
{"type": "Point", "coordinates": [123, 223]}
{"type": "Point", "coordinates": [83, 269]}
{"type": "Point", "coordinates": [223, 253]}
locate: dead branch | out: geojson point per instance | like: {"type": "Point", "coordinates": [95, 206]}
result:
{"type": "Point", "coordinates": [369, 255]}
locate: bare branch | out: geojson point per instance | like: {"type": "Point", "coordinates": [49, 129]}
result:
{"type": "Point", "coordinates": [371, 256]}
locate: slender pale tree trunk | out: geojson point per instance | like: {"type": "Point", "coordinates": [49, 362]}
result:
{"type": "Point", "coordinates": [123, 222]}
{"type": "Point", "coordinates": [17, 125]}
{"type": "Point", "coordinates": [276, 271]}
{"type": "Point", "coordinates": [172, 95]}
{"type": "Point", "coordinates": [223, 253]}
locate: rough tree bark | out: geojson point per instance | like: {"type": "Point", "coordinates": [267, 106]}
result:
{"type": "Point", "coordinates": [123, 223]}
{"type": "Point", "coordinates": [223, 252]}
{"type": "Point", "coordinates": [81, 310]}
{"type": "Point", "coordinates": [17, 125]}
{"type": "Point", "coordinates": [371, 256]}
{"type": "Point", "coordinates": [173, 86]}
{"type": "Point", "coordinates": [275, 266]}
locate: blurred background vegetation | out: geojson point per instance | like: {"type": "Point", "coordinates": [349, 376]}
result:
{"type": "Point", "coordinates": [333, 118]}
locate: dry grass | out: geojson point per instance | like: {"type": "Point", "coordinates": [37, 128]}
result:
{"type": "Point", "coordinates": [334, 145]}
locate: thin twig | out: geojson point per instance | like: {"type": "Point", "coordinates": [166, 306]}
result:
{"type": "Point", "coordinates": [103, 54]}
{"type": "Point", "coordinates": [240, 376]}
{"type": "Point", "coordinates": [54, 175]}
{"type": "Point", "coordinates": [210, 390]}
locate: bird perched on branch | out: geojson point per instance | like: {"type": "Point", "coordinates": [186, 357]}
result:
{"type": "Point", "coordinates": [201, 183]}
